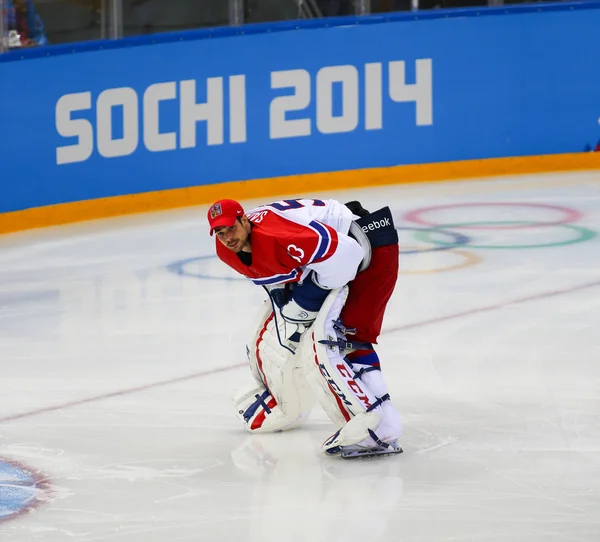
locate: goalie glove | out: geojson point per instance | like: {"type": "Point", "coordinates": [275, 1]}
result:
{"type": "Point", "coordinates": [300, 312]}
{"type": "Point", "coordinates": [297, 320]}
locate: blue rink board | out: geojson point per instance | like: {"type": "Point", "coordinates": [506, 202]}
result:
{"type": "Point", "coordinates": [522, 83]}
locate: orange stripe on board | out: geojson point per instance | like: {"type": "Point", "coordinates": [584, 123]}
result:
{"type": "Point", "coordinates": [66, 213]}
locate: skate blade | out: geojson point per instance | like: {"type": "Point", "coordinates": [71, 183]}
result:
{"type": "Point", "coordinates": [367, 453]}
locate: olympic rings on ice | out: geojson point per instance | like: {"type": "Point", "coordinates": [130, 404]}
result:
{"type": "Point", "coordinates": [199, 267]}
{"type": "Point", "coordinates": [564, 219]}
{"type": "Point", "coordinates": [455, 242]}
{"type": "Point", "coordinates": [568, 215]}
{"type": "Point", "coordinates": [583, 234]}
{"type": "Point", "coordinates": [194, 267]}
{"type": "Point", "coordinates": [469, 259]}
{"type": "Point", "coordinates": [458, 238]}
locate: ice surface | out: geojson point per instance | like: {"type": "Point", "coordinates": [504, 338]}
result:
{"type": "Point", "coordinates": [118, 366]}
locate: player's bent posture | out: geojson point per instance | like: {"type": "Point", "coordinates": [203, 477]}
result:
{"type": "Point", "coordinates": [329, 269]}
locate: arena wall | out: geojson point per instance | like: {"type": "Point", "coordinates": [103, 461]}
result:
{"type": "Point", "coordinates": [113, 127]}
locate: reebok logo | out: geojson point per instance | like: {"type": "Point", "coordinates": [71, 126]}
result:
{"type": "Point", "coordinates": [376, 224]}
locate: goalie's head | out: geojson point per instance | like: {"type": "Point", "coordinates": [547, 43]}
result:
{"type": "Point", "coordinates": [231, 226]}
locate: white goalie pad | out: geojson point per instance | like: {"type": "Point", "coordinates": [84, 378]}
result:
{"type": "Point", "coordinates": [342, 396]}
{"type": "Point", "coordinates": [348, 401]}
{"type": "Point", "coordinates": [281, 397]}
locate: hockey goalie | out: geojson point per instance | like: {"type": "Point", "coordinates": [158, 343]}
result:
{"type": "Point", "coordinates": [329, 270]}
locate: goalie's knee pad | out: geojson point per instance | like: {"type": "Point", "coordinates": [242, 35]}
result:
{"type": "Point", "coordinates": [281, 397]}
{"type": "Point", "coordinates": [351, 391]}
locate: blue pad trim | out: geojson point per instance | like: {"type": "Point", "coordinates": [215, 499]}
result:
{"type": "Point", "coordinates": [359, 373]}
{"type": "Point", "coordinates": [380, 400]}
{"type": "Point", "coordinates": [260, 401]}
{"type": "Point", "coordinates": [308, 295]}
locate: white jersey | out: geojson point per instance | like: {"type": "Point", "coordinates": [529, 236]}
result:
{"type": "Point", "coordinates": [303, 211]}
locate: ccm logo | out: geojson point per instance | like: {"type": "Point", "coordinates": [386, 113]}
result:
{"type": "Point", "coordinates": [333, 384]}
{"type": "Point", "coordinates": [352, 384]}
{"type": "Point", "coordinates": [376, 225]}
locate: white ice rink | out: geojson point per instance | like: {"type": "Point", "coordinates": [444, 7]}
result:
{"type": "Point", "coordinates": [122, 342]}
